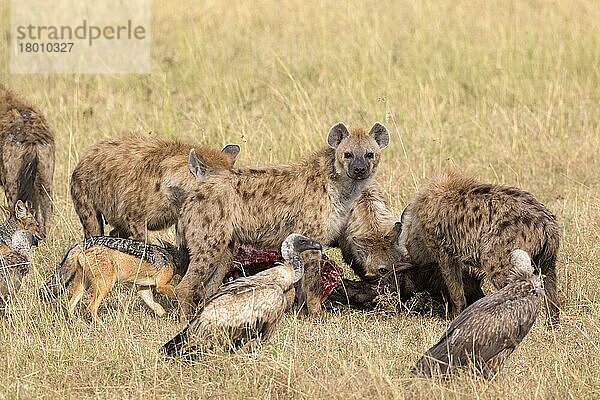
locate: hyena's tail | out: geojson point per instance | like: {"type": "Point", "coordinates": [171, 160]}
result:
{"type": "Point", "coordinates": [545, 260]}
{"type": "Point", "coordinates": [26, 177]}
{"type": "Point", "coordinates": [58, 282]}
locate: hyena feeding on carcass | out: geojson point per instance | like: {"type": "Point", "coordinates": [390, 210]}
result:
{"type": "Point", "coordinates": [369, 245]}
{"type": "Point", "coordinates": [138, 184]}
{"type": "Point", "coordinates": [26, 155]}
{"type": "Point", "coordinates": [458, 223]}
{"type": "Point", "coordinates": [262, 206]}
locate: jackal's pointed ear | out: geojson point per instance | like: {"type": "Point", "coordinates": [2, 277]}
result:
{"type": "Point", "coordinates": [20, 210]}
{"type": "Point", "coordinates": [231, 150]}
{"type": "Point", "coordinates": [196, 164]}
{"type": "Point", "coordinates": [381, 135]}
{"type": "Point", "coordinates": [337, 133]}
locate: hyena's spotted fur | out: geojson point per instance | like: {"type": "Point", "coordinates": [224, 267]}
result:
{"type": "Point", "coordinates": [137, 184]}
{"type": "Point", "coordinates": [368, 241]}
{"type": "Point", "coordinates": [26, 155]}
{"type": "Point", "coordinates": [261, 206]}
{"type": "Point", "coordinates": [369, 244]}
{"type": "Point", "coordinates": [457, 222]}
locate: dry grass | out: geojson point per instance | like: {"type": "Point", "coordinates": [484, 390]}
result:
{"type": "Point", "coordinates": [509, 91]}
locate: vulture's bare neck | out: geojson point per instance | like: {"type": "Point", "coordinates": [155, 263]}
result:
{"type": "Point", "coordinates": [298, 267]}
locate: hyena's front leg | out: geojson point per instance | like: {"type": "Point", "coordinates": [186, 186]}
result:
{"type": "Point", "coordinates": [198, 283]}
{"type": "Point", "coordinates": [452, 272]}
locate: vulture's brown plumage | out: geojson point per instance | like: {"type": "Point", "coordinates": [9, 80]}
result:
{"type": "Point", "coordinates": [488, 331]}
{"type": "Point", "coordinates": [245, 309]}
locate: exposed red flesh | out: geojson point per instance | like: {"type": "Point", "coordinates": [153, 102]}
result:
{"type": "Point", "coordinates": [249, 260]}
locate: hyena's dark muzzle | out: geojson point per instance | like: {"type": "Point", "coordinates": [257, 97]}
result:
{"type": "Point", "coordinates": [359, 168]}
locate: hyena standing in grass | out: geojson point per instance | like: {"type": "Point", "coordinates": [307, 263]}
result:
{"type": "Point", "coordinates": [457, 223]}
{"type": "Point", "coordinates": [137, 184]}
{"type": "Point", "coordinates": [262, 206]}
{"type": "Point", "coordinates": [26, 155]}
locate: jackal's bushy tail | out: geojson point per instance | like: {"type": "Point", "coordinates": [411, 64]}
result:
{"type": "Point", "coordinates": [57, 283]}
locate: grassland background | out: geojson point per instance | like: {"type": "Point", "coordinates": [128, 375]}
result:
{"type": "Point", "coordinates": [508, 91]}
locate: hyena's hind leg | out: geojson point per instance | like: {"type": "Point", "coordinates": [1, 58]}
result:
{"type": "Point", "coordinates": [451, 271]}
{"type": "Point", "coordinates": [552, 302]}
{"type": "Point", "coordinates": [91, 219]}
{"type": "Point", "coordinates": [44, 184]}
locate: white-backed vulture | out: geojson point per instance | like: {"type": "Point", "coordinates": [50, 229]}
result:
{"type": "Point", "coordinates": [244, 310]}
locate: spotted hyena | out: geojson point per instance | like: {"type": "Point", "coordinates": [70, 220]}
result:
{"type": "Point", "coordinates": [26, 155]}
{"type": "Point", "coordinates": [261, 206]}
{"type": "Point", "coordinates": [137, 184]}
{"type": "Point", "coordinates": [457, 223]}
{"type": "Point", "coordinates": [369, 245]}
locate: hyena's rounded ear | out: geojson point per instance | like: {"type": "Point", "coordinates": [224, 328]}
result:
{"type": "Point", "coordinates": [196, 164]}
{"type": "Point", "coordinates": [337, 133]}
{"type": "Point", "coordinates": [397, 230]}
{"type": "Point", "coordinates": [381, 135]}
{"type": "Point", "coordinates": [404, 266]}
{"type": "Point", "coordinates": [20, 209]}
{"type": "Point", "coordinates": [231, 150]}
{"type": "Point", "coordinates": [405, 216]}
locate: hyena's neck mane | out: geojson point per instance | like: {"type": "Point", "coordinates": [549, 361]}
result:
{"type": "Point", "coordinates": [344, 189]}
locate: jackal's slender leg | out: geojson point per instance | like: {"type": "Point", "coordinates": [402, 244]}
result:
{"type": "Point", "coordinates": [78, 292]}
{"type": "Point", "coordinates": [163, 283]}
{"type": "Point", "coordinates": [102, 286]}
{"type": "Point", "coordinates": [145, 293]}
{"type": "Point", "coordinates": [167, 290]}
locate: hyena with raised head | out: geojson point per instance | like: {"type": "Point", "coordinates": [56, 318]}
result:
{"type": "Point", "coordinates": [137, 184]}
{"type": "Point", "coordinates": [262, 206]}
{"type": "Point", "coordinates": [457, 223]}
{"type": "Point", "coordinates": [26, 155]}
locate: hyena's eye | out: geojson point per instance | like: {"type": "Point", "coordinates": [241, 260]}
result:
{"type": "Point", "coordinates": [369, 155]}
{"type": "Point", "coordinates": [348, 155]}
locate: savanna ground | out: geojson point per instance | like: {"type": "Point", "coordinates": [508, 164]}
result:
{"type": "Point", "coordinates": [508, 91]}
